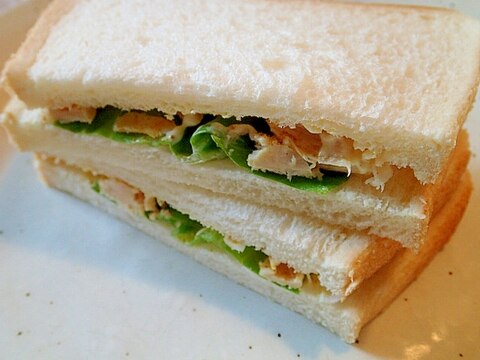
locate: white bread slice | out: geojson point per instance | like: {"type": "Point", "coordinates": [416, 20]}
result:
{"type": "Point", "coordinates": [341, 258]}
{"type": "Point", "coordinates": [401, 212]}
{"type": "Point", "coordinates": [347, 318]}
{"type": "Point", "coordinates": [394, 78]}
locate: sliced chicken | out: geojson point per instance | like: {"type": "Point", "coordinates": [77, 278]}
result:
{"type": "Point", "coordinates": [280, 159]}
{"type": "Point", "coordinates": [142, 123]}
{"type": "Point", "coordinates": [74, 113]}
{"type": "Point", "coordinates": [281, 274]}
{"type": "Point", "coordinates": [123, 194]}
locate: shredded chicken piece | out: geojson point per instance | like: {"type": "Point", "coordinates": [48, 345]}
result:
{"type": "Point", "coordinates": [311, 284]}
{"type": "Point", "coordinates": [150, 204]}
{"type": "Point", "coordinates": [307, 144]}
{"type": "Point", "coordinates": [122, 193]}
{"type": "Point", "coordinates": [281, 273]}
{"type": "Point", "coordinates": [337, 153]}
{"type": "Point", "coordinates": [237, 130]}
{"type": "Point", "coordinates": [329, 152]}
{"type": "Point", "coordinates": [142, 123]}
{"type": "Point", "coordinates": [234, 244]}
{"type": "Point", "coordinates": [280, 159]}
{"type": "Point", "coordinates": [74, 113]}
{"type": "Point", "coordinates": [380, 176]}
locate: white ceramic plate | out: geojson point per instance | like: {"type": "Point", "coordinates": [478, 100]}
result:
{"type": "Point", "coordinates": [77, 284]}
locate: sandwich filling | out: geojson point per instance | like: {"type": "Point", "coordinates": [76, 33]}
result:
{"type": "Point", "coordinates": [193, 233]}
{"type": "Point", "coordinates": [293, 156]}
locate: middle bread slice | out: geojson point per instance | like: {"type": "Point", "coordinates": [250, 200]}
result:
{"type": "Point", "coordinates": [297, 247]}
{"type": "Point", "coordinates": [300, 252]}
{"type": "Point", "coordinates": [400, 212]}
{"type": "Point", "coordinates": [297, 231]}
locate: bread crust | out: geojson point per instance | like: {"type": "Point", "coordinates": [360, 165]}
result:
{"type": "Point", "coordinates": [385, 285]}
{"type": "Point", "coordinates": [441, 191]}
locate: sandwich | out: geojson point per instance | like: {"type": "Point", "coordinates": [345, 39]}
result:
{"type": "Point", "coordinates": [320, 164]}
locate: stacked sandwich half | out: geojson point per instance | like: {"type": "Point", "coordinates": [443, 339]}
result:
{"type": "Point", "coordinates": [311, 151]}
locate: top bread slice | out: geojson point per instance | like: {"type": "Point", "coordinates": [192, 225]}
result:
{"type": "Point", "coordinates": [397, 80]}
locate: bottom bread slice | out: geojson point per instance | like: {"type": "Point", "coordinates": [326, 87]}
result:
{"type": "Point", "coordinates": [343, 318]}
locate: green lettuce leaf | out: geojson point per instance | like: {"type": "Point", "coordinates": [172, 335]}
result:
{"type": "Point", "coordinates": [215, 143]}
{"type": "Point", "coordinates": [183, 228]}
{"type": "Point", "coordinates": [202, 143]}
{"type": "Point", "coordinates": [96, 187]}
{"type": "Point", "coordinates": [238, 149]}
{"type": "Point", "coordinates": [195, 234]}
{"type": "Point", "coordinates": [249, 257]}
{"type": "Point", "coordinates": [103, 125]}
{"type": "Point", "coordinates": [206, 142]}
{"type": "Point", "coordinates": [182, 148]}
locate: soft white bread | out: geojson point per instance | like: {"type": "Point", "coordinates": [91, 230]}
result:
{"type": "Point", "coordinates": [347, 318]}
{"type": "Point", "coordinates": [394, 78]}
{"type": "Point", "coordinates": [341, 258]}
{"type": "Point", "coordinates": [401, 212]}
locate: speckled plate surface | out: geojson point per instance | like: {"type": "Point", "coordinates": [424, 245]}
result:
{"type": "Point", "coordinates": [77, 284]}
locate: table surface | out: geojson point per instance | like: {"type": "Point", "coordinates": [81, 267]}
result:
{"type": "Point", "coordinates": [77, 284]}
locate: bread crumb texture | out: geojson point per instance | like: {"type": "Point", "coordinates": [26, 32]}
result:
{"type": "Point", "coordinates": [397, 80]}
